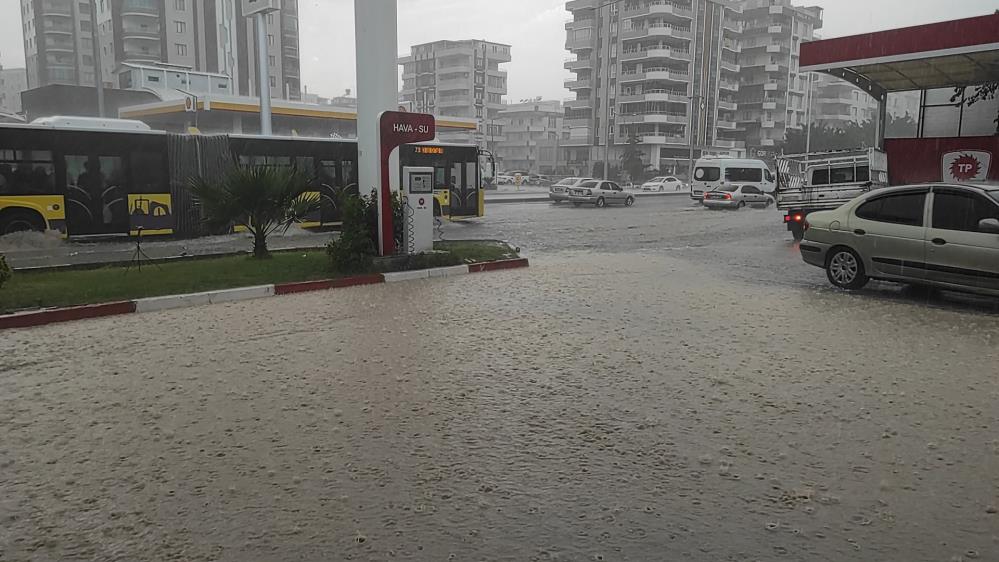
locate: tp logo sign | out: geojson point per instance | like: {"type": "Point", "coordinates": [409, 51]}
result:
{"type": "Point", "coordinates": [966, 165]}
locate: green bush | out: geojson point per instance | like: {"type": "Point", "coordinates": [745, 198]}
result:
{"type": "Point", "coordinates": [5, 271]}
{"type": "Point", "coordinates": [354, 250]}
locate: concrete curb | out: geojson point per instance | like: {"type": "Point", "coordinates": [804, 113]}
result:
{"type": "Point", "coordinates": [171, 302]}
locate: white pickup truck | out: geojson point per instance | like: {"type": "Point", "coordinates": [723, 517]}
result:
{"type": "Point", "coordinates": [825, 180]}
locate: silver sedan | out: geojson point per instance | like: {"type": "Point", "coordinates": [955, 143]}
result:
{"type": "Point", "coordinates": [944, 235]}
{"type": "Point", "coordinates": [736, 197]}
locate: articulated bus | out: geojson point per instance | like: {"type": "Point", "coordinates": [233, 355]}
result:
{"type": "Point", "coordinates": [111, 177]}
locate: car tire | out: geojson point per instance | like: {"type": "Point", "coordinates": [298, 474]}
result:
{"type": "Point", "coordinates": [742, 204]}
{"type": "Point", "coordinates": [845, 269]}
{"type": "Point", "coordinates": [600, 203]}
{"type": "Point", "coordinates": [629, 201]}
{"type": "Point", "coordinates": [21, 220]}
{"type": "Point", "coordinates": [662, 188]}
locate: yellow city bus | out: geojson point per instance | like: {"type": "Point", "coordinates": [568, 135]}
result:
{"type": "Point", "coordinates": [114, 177]}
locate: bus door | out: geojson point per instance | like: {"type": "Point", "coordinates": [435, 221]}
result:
{"type": "Point", "coordinates": [96, 194]}
{"type": "Point", "coordinates": [464, 189]}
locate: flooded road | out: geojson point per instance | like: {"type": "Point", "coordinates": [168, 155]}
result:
{"type": "Point", "coordinates": [631, 403]}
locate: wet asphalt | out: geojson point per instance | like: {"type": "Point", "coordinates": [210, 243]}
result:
{"type": "Point", "coordinates": [664, 383]}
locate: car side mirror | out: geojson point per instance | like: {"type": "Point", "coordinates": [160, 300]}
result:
{"type": "Point", "coordinates": [990, 226]}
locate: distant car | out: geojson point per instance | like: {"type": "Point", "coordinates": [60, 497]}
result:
{"type": "Point", "coordinates": [560, 191]}
{"type": "Point", "coordinates": [504, 179]}
{"type": "Point", "coordinates": [736, 197]}
{"type": "Point", "coordinates": [538, 179]}
{"type": "Point", "coordinates": [600, 193]}
{"type": "Point", "coordinates": [664, 183]}
{"type": "Point", "coordinates": [944, 235]}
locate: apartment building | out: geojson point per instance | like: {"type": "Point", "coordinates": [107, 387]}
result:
{"type": "Point", "coordinates": [209, 36]}
{"type": "Point", "coordinates": [58, 47]}
{"type": "Point", "coordinates": [13, 81]}
{"type": "Point", "coordinates": [664, 72]}
{"type": "Point", "coordinates": [458, 79]}
{"type": "Point", "coordinates": [837, 103]}
{"type": "Point", "coordinates": [531, 136]}
{"type": "Point", "coordinates": [773, 92]}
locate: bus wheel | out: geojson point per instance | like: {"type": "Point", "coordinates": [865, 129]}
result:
{"type": "Point", "coordinates": [20, 220]}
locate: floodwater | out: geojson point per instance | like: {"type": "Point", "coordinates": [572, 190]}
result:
{"type": "Point", "coordinates": [597, 406]}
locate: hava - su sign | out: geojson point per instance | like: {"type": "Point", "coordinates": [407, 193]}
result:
{"type": "Point", "coordinates": [395, 129]}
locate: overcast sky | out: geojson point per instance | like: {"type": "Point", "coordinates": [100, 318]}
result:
{"type": "Point", "coordinates": [535, 29]}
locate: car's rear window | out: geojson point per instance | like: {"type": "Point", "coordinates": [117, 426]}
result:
{"type": "Point", "coordinates": [567, 181]}
{"type": "Point", "coordinates": [729, 188]}
{"type": "Point", "coordinates": [589, 184]}
{"type": "Point", "coordinates": [657, 180]}
{"type": "Point", "coordinates": [707, 174]}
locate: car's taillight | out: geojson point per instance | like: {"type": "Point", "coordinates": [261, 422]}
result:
{"type": "Point", "coordinates": [589, 192]}
{"type": "Point", "coordinates": [728, 196]}
{"type": "Point", "coordinates": [807, 226]}
{"type": "Point", "coordinates": [798, 218]}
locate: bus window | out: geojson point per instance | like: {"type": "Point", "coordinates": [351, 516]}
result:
{"type": "Point", "coordinates": [306, 165]}
{"type": "Point", "coordinates": [440, 178]}
{"type": "Point", "coordinates": [739, 175]}
{"type": "Point", "coordinates": [96, 194]}
{"type": "Point", "coordinates": [349, 172]}
{"type": "Point", "coordinates": [277, 161]}
{"type": "Point", "coordinates": [455, 175]}
{"type": "Point", "coordinates": [327, 173]}
{"type": "Point", "coordinates": [26, 172]}
{"type": "Point", "coordinates": [147, 173]}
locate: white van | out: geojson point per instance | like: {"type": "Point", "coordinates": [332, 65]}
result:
{"type": "Point", "coordinates": [712, 173]}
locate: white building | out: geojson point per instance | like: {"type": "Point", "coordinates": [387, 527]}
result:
{"type": "Point", "coordinates": [532, 132]}
{"type": "Point", "coordinates": [13, 81]}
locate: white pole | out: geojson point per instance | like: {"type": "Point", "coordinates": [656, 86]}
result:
{"type": "Point", "coordinates": [376, 39]}
{"type": "Point", "coordinates": [264, 75]}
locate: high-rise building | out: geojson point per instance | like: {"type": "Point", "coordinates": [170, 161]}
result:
{"type": "Point", "coordinates": [458, 79]}
{"type": "Point", "coordinates": [772, 96]}
{"type": "Point", "coordinates": [209, 36]}
{"type": "Point", "coordinates": [532, 132]}
{"type": "Point", "coordinates": [660, 75]}
{"type": "Point", "coordinates": [58, 47]}
{"type": "Point", "coordinates": [836, 103]}
{"type": "Point", "coordinates": [13, 81]}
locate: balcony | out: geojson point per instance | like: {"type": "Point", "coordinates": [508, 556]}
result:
{"type": "Point", "coordinates": [145, 8]}
{"type": "Point", "coordinates": [771, 105]}
{"type": "Point", "coordinates": [776, 10]}
{"type": "Point", "coordinates": [654, 95]}
{"type": "Point", "coordinates": [578, 104]}
{"type": "Point", "coordinates": [772, 67]}
{"type": "Point", "coordinates": [768, 124]}
{"type": "Point", "coordinates": [656, 53]}
{"type": "Point", "coordinates": [727, 125]}
{"type": "Point", "coordinates": [574, 5]}
{"type": "Point", "coordinates": [582, 136]}
{"type": "Point", "coordinates": [454, 84]}
{"type": "Point", "coordinates": [578, 84]}
{"type": "Point", "coordinates": [655, 74]}
{"type": "Point", "coordinates": [730, 25]}
{"type": "Point", "coordinates": [575, 63]}
{"type": "Point", "coordinates": [775, 29]}
{"type": "Point", "coordinates": [653, 117]}
{"type": "Point", "coordinates": [140, 33]}
{"type": "Point", "coordinates": [729, 86]}
{"type": "Point", "coordinates": [580, 24]}
{"type": "Point", "coordinates": [660, 30]}
{"type": "Point", "coordinates": [729, 66]}
{"type": "Point", "coordinates": [732, 46]}
{"type": "Point", "coordinates": [577, 123]}
{"type": "Point", "coordinates": [663, 139]}
{"type": "Point", "coordinates": [458, 101]}
{"type": "Point", "coordinates": [767, 142]}
{"type": "Point", "coordinates": [727, 105]}
{"type": "Point", "coordinates": [657, 8]}
{"type": "Point", "coordinates": [460, 67]}
{"type": "Point", "coordinates": [577, 44]}
{"type": "Point", "coordinates": [775, 48]}
{"type": "Point", "coordinates": [771, 87]}
{"type": "Point", "coordinates": [54, 9]}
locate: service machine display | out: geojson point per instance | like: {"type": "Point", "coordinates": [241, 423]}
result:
{"type": "Point", "coordinates": [395, 129]}
{"type": "Point", "coordinates": [418, 185]}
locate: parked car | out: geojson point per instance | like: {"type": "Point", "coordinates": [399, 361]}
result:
{"type": "Point", "coordinates": [664, 183]}
{"type": "Point", "coordinates": [560, 191]}
{"type": "Point", "coordinates": [538, 179]}
{"type": "Point", "coordinates": [600, 193]}
{"type": "Point", "coordinates": [944, 235]}
{"type": "Point", "coordinates": [736, 197]}
{"type": "Point", "coordinates": [503, 179]}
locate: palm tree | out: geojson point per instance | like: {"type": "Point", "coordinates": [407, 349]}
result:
{"type": "Point", "coordinates": [263, 199]}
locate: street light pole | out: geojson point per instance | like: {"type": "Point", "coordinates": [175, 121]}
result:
{"type": "Point", "coordinates": [98, 64]}
{"type": "Point", "coordinates": [263, 64]}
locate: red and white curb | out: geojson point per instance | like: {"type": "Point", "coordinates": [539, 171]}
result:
{"type": "Point", "coordinates": [153, 304]}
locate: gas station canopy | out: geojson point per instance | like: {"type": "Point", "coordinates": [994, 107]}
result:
{"type": "Point", "coordinates": [948, 54]}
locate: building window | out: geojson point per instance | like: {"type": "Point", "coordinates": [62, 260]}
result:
{"type": "Point", "coordinates": [272, 60]}
{"type": "Point", "coordinates": [270, 19]}
{"type": "Point", "coordinates": [181, 49]}
{"type": "Point", "coordinates": [273, 82]}
{"type": "Point", "coordinates": [180, 5]}
{"type": "Point", "coordinates": [270, 40]}
{"type": "Point", "coordinates": [181, 26]}
{"type": "Point", "coordinates": [86, 26]}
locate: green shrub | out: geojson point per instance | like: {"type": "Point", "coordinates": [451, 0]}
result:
{"type": "Point", "coordinates": [354, 250]}
{"type": "Point", "coordinates": [5, 271]}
